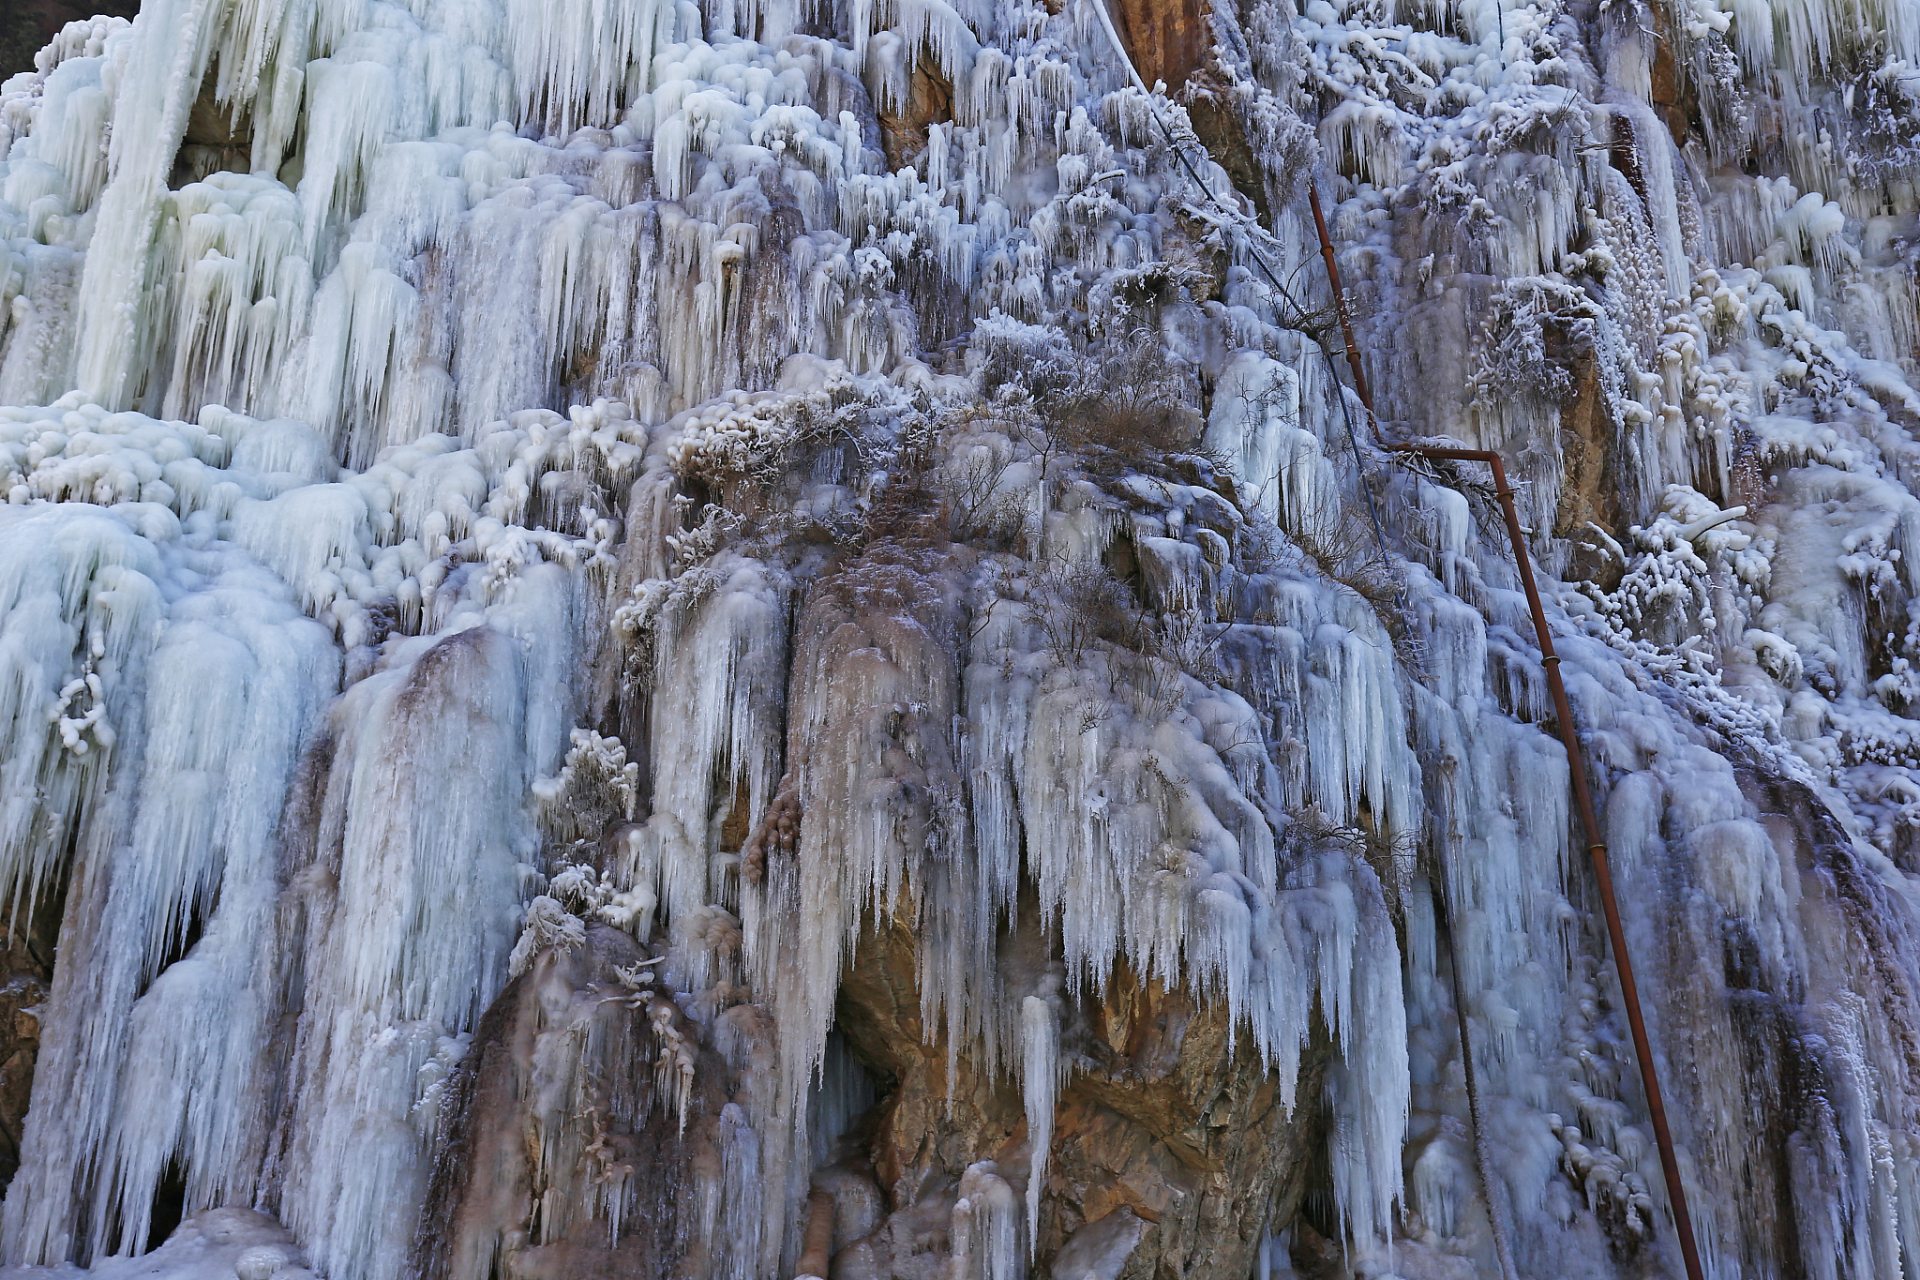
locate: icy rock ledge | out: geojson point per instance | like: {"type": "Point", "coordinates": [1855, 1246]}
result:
{"type": "Point", "coordinates": [220, 1244]}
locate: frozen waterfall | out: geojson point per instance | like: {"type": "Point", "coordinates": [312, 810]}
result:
{"type": "Point", "coordinates": [752, 639]}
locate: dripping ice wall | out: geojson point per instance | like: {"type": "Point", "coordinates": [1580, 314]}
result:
{"type": "Point", "coordinates": [485, 475]}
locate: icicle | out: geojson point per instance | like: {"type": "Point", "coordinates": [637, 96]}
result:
{"type": "Point", "coordinates": [986, 1227]}
{"type": "Point", "coordinates": [1040, 1077]}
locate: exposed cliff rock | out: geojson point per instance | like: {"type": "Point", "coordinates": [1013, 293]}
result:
{"type": "Point", "coordinates": [27, 965]}
{"type": "Point", "coordinates": [1170, 1151]}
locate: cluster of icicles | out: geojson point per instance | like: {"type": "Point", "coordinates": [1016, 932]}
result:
{"type": "Point", "coordinates": [372, 637]}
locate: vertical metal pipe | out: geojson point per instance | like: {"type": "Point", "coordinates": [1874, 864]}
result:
{"type": "Point", "coordinates": [1596, 849]}
{"type": "Point", "coordinates": [1576, 767]}
{"type": "Point", "coordinates": [1340, 304]}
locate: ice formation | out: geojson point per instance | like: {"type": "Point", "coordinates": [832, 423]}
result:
{"type": "Point", "coordinates": [692, 638]}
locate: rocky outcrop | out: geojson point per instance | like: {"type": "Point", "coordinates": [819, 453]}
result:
{"type": "Point", "coordinates": [1171, 1151]}
{"type": "Point", "coordinates": [556, 1114]}
{"type": "Point", "coordinates": [1168, 42]}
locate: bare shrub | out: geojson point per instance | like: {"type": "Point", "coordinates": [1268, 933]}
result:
{"type": "Point", "coordinates": [981, 448]}
{"type": "Point", "coordinates": [1394, 856]}
{"type": "Point", "coordinates": [1082, 608]}
{"type": "Point", "coordinates": [1340, 539]}
{"type": "Point", "coordinates": [1077, 605]}
{"type": "Point", "coordinates": [1022, 361]}
{"type": "Point", "coordinates": [1129, 397]}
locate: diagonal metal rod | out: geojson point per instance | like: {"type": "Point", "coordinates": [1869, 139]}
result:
{"type": "Point", "coordinates": [1596, 848]}
{"type": "Point", "coordinates": [1340, 304]}
{"type": "Point", "coordinates": [1656, 1106]}
{"type": "Point", "coordinates": [1576, 769]}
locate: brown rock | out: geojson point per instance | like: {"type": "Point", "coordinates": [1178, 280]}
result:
{"type": "Point", "coordinates": [1221, 130]}
{"type": "Point", "coordinates": [217, 138]}
{"type": "Point", "coordinates": [516, 1189]}
{"type": "Point", "coordinates": [903, 129]}
{"type": "Point", "coordinates": [1161, 1120]}
{"type": "Point", "coordinates": [1674, 95]}
{"type": "Point", "coordinates": [27, 960]}
{"type": "Point", "coordinates": [1589, 479]}
{"type": "Point", "coordinates": [1167, 41]}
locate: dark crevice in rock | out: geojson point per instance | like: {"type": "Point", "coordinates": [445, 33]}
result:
{"type": "Point", "coordinates": [28, 968]}
{"type": "Point", "coordinates": [1162, 1122]}
{"type": "Point", "coordinates": [219, 138]}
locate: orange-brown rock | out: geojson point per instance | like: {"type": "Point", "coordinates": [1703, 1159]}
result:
{"type": "Point", "coordinates": [509, 1195]}
{"type": "Point", "coordinates": [1165, 1134]}
{"type": "Point", "coordinates": [1167, 39]}
{"type": "Point", "coordinates": [1589, 480]}
{"type": "Point", "coordinates": [903, 125]}
{"type": "Point", "coordinates": [1673, 93]}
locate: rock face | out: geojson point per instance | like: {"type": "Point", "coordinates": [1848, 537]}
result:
{"type": "Point", "coordinates": [746, 639]}
{"type": "Point", "coordinates": [1170, 1148]}
{"type": "Point", "coordinates": [1168, 42]}
{"type": "Point", "coordinates": [27, 965]}
{"type": "Point", "coordinates": [556, 1109]}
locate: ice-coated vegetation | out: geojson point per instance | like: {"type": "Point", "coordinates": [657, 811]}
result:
{"type": "Point", "coordinates": [539, 534]}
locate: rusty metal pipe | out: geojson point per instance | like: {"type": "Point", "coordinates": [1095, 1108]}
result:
{"type": "Point", "coordinates": [1576, 767]}
{"type": "Point", "coordinates": [1340, 304]}
{"type": "Point", "coordinates": [1596, 848]}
